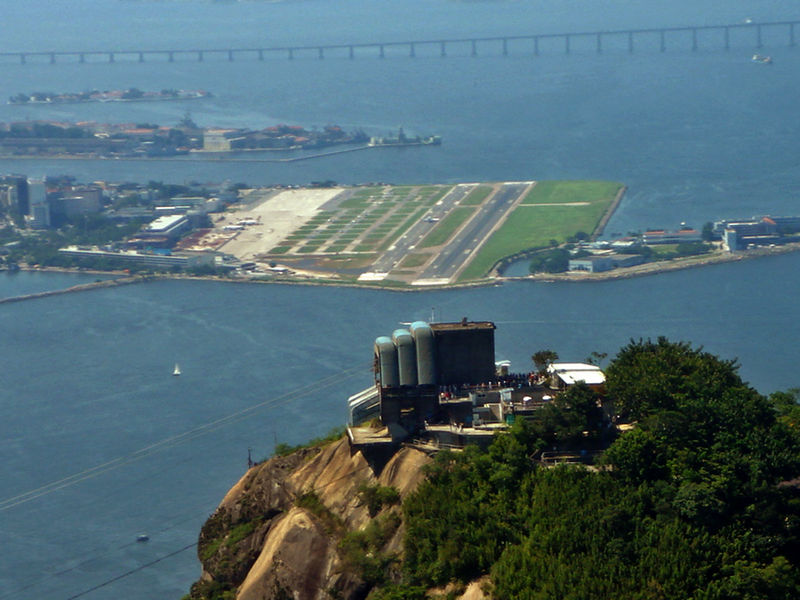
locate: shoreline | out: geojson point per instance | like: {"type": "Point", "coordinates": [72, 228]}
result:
{"type": "Point", "coordinates": [98, 101]}
{"type": "Point", "coordinates": [655, 268]}
{"type": "Point", "coordinates": [649, 269]}
{"type": "Point", "coordinates": [197, 156]}
{"type": "Point", "coordinates": [612, 208]}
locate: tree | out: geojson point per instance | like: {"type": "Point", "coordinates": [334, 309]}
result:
{"type": "Point", "coordinates": [638, 455]}
{"type": "Point", "coordinates": [698, 500]}
{"type": "Point", "coordinates": [646, 376]}
{"type": "Point", "coordinates": [645, 251]}
{"type": "Point", "coordinates": [787, 407]}
{"type": "Point", "coordinates": [551, 261]}
{"type": "Point", "coordinates": [574, 419]}
{"type": "Point", "coordinates": [691, 248]}
{"type": "Point", "coordinates": [543, 358]}
{"type": "Point", "coordinates": [132, 94]}
{"type": "Point", "coordinates": [595, 358]}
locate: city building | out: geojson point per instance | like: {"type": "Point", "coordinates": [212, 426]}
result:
{"type": "Point", "coordinates": [14, 193]}
{"type": "Point", "coordinates": [597, 263]}
{"type": "Point", "coordinates": [162, 232]}
{"type": "Point", "coordinates": [219, 140]}
{"type": "Point", "coordinates": [438, 384]}
{"type": "Point", "coordinates": [75, 202]}
{"type": "Point", "coordinates": [39, 209]}
{"type": "Point", "coordinates": [414, 365]}
{"type": "Point", "coordinates": [661, 236]}
{"type": "Point", "coordinates": [592, 264]}
{"type": "Point", "coordinates": [738, 235]}
{"type": "Point", "coordinates": [758, 231]}
{"type": "Point", "coordinates": [168, 260]}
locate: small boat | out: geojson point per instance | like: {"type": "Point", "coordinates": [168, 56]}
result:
{"type": "Point", "coordinates": [176, 371]}
{"type": "Point", "coordinates": [760, 58]}
{"type": "Point", "coordinates": [143, 537]}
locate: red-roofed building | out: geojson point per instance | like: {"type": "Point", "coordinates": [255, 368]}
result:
{"type": "Point", "coordinates": [660, 236]}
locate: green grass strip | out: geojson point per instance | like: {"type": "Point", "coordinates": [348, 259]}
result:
{"type": "Point", "coordinates": [439, 195]}
{"type": "Point", "coordinates": [355, 202]}
{"type": "Point", "coordinates": [447, 226]}
{"type": "Point", "coordinates": [403, 228]}
{"type": "Point", "coordinates": [414, 260]}
{"type": "Point", "coordinates": [477, 196]}
{"type": "Point", "coordinates": [560, 192]}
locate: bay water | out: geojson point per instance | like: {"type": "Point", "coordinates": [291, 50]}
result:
{"type": "Point", "coordinates": [99, 443]}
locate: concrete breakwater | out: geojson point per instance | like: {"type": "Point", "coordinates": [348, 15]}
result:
{"type": "Point", "coordinates": [76, 288]}
{"type": "Point", "coordinates": [601, 226]}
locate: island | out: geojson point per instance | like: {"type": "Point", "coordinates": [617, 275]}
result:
{"type": "Point", "coordinates": [126, 95]}
{"type": "Point", "coordinates": [90, 140]}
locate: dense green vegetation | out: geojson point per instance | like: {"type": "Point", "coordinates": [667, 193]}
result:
{"type": "Point", "coordinates": [669, 251]}
{"type": "Point", "coordinates": [41, 247]}
{"type": "Point", "coordinates": [551, 261]}
{"type": "Point", "coordinates": [283, 449]}
{"type": "Point", "coordinates": [700, 499]}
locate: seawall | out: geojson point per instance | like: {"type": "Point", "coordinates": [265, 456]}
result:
{"type": "Point", "coordinates": [601, 226]}
{"type": "Point", "coordinates": [657, 267]}
{"type": "Point", "coordinates": [75, 288]}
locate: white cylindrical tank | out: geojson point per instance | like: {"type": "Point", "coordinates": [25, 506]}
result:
{"type": "Point", "coordinates": [386, 353]}
{"type": "Point", "coordinates": [426, 352]}
{"type": "Point", "coordinates": [406, 356]}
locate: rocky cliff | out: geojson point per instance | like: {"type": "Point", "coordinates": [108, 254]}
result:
{"type": "Point", "coordinates": [318, 524]}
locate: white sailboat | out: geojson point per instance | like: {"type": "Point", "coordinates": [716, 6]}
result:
{"type": "Point", "coordinates": [177, 370]}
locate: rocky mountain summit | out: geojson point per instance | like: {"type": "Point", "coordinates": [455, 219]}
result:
{"type": "Point", "coordinates": [313, 525]}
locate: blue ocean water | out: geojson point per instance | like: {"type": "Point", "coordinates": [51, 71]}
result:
{"type": "Point", "coordinates": [22, 283]}
{"type": "Point", "coordinates": [99, 443]}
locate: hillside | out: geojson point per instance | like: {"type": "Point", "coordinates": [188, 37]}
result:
{"type": "Point", "coordinates": [278, 531]}
{"type": "Point", "coordinates": [698, 498]}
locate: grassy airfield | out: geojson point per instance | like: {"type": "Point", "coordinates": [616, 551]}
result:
{"type": "Point", "coordinates": [354, 231]}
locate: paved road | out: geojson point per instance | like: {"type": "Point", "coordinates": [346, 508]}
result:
{"type": "Point", "coordinates": [460, 248]}
{"type": "Point", "coordinates": [408, 241]}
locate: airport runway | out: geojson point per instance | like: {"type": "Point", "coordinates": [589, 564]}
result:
{"type": "Point", "coordinates": [462, 247]}
{"type": "Point", "coordinates": [408, 241]}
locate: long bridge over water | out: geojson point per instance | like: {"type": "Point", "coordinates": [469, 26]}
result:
{"type": "Point", "coordinates": [746, 34]}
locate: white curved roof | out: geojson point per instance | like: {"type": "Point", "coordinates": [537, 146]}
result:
{"type": "Point", "coordinates": [571, 373]}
